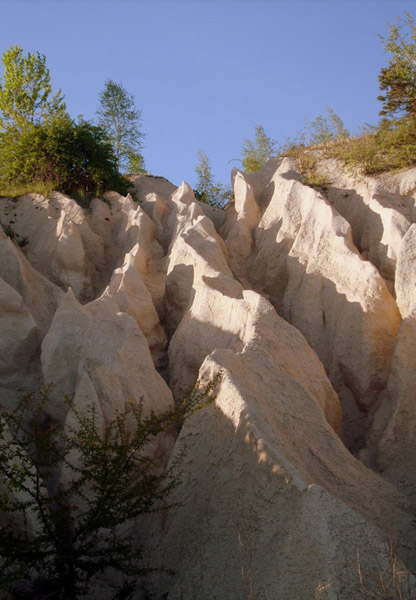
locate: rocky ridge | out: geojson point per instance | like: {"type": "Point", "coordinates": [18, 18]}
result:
{"type": "Point", "coordinates": [304, 299]}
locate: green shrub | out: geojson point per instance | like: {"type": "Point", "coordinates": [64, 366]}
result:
{"type": "Point", "coordinates": [71, 156]}
{"type": "Point", "coordinates": [255, 154]}
{"type": "Point", "coordinates": [390, 147]}
{"type": "Point", "coordinates": [324, 128]}
{"type": "Point", "coordinates": [306, 161]}
{"type": "Point", "coordinates": [109, 481]}
{"type": "Point", "coordinates": [216, 194]}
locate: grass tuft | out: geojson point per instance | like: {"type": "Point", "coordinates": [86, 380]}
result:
{"type": "Point", "coordinates": [20, 189]}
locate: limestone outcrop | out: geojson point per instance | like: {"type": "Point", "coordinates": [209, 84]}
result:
{"type": "Point", "coordinates": [393, 428]}
{"type": "Point", "coordinates": [56, 239]}
{"type": "Point", "coordinates": [303, 259]}
{"type": "Point", "coordinates": [39, 294]}
{"type": "Point", "coordinates": [301, 301]}
{"type": "Point", "coordinates": [263, 498]}
{"type": "Point", "coordinates": [19, 334]}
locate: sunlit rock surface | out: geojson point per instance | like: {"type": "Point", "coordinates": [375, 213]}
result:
{"type": "Point", "coordinates": [303, 300]}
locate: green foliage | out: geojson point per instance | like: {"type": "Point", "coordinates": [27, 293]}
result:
{"type": "Point", "coordinates": [136, 163]}
{"type": "Point", "coordinates": [392, 144]}
{"type": "Point", "coordinates": [13, 190]}
{"type": "Point", "coordinates": [41, 147]}
{"type": "Point", "coordinates": [324, 131]}
{"type": "Point", "coordinates": [80, 517]}
{"type": "Point", "coordinates": [306, 160]}
{"type": "Point", "coordinates": [73, 156]}
{"type": "Point", "coordinates": [390, 147]}
{"type": "Point", "coordinates": [398, 79]}
{"type": "Point", "coordinates": [215, 194]}
{"type": "Point", "coordinates": [325, 128]}
{"type": "Point", "coordinates": [256, 153]}
{"type": "Point", "coordinates": [121, 120]}
{"type": "Point", "coordinates": [205, 177]}
{"type": "Point", "coordinates": [25, 90]}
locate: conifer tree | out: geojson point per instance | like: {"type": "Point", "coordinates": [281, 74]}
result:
{"type": "Point", "coordinates": [398, 79]}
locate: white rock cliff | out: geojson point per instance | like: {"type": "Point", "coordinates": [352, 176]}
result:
{"type": "Point", "coordinates": [303, 300]}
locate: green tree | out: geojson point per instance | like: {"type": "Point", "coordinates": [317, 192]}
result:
{"type": "Point", "coordinates": [118, 116]}
{"type": "Point", "coordinates": [205, 181]}
{"type": "Point", "coordinates": [256, 153]}
{"type": "Point", "coordinates": [215, 194]}
{"type": "Point", "coordinates": [398, 79]}
{"type": "Point", "coordinates": [109, 481]}
{"type": "Point", "coordinates": [39, 143]}
{"type": "Point", "coordinates": [25, 90]}
{"type": "Point", "coordinates": [71, 156]}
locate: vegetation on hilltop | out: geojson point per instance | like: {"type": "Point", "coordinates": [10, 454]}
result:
{"type": "Point", "coordinates": [58, 154]}
{"type": "Point", "coordinates": [255, 154]}
{"type": "Point", "coordinates": [121, 120]}
{"type": "Point", "coordinates": [214, 193]}
{"type": "Point", "coordinates": [392, 144]}
{"type": "Point", "coordinates": [389, 146]}
{"type": "Point", "coordinates": [398, 79]}
{"type": "Point", "coordinates": [41, 147]}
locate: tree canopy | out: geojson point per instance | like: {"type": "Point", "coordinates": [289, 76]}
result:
{"type": "Point", "coordinates": [73, 156]}
{"type": "Point", "coordinates": [213, 193]}
{"type": "Point", "coordinates": [398, 79]}
{"type": "Point", "coordinates": [256, 153]}
{"type": "Point", "coordinates": [25, 90]}
{"type": "Point", "coordinates": [40, 145]}
{"type": "Point", "coordinates": [118, 116]}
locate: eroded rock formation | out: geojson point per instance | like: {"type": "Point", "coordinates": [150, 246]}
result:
{"type": "Point", "coordinates": [303, 300]}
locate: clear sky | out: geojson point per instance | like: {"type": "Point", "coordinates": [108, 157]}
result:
{"type": "Point", "coordinates": [205, 72]}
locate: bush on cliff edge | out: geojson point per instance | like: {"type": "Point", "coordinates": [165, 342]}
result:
{"type": "Point", "coordinates": [61, 153]}
{"type": "Point", "coordinates": [41, 147]}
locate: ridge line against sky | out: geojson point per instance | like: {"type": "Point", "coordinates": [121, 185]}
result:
{"type": "Point", "coordinates": [204, 73]}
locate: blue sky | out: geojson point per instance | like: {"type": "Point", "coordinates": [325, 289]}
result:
{"type": "Point", "coordinates": [205, 72]}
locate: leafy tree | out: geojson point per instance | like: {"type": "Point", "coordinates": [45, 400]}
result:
{"type": "Point", "coordinates": [207, 191]}
{"type": "Point", "coordinates": [256, 153]}
{"type": "Point", "coordinates": [73, 156]}
{"type": "Point", "coordinates": [109, 480]}
{"type": "Point", "coordinates": [205, 181]}
{"type": "Point", "coordinates": [118, 116]}
{"type": "Point", "coordinates": [398, 79]}
{"type": "Point", "coordinates": [25, 90]}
